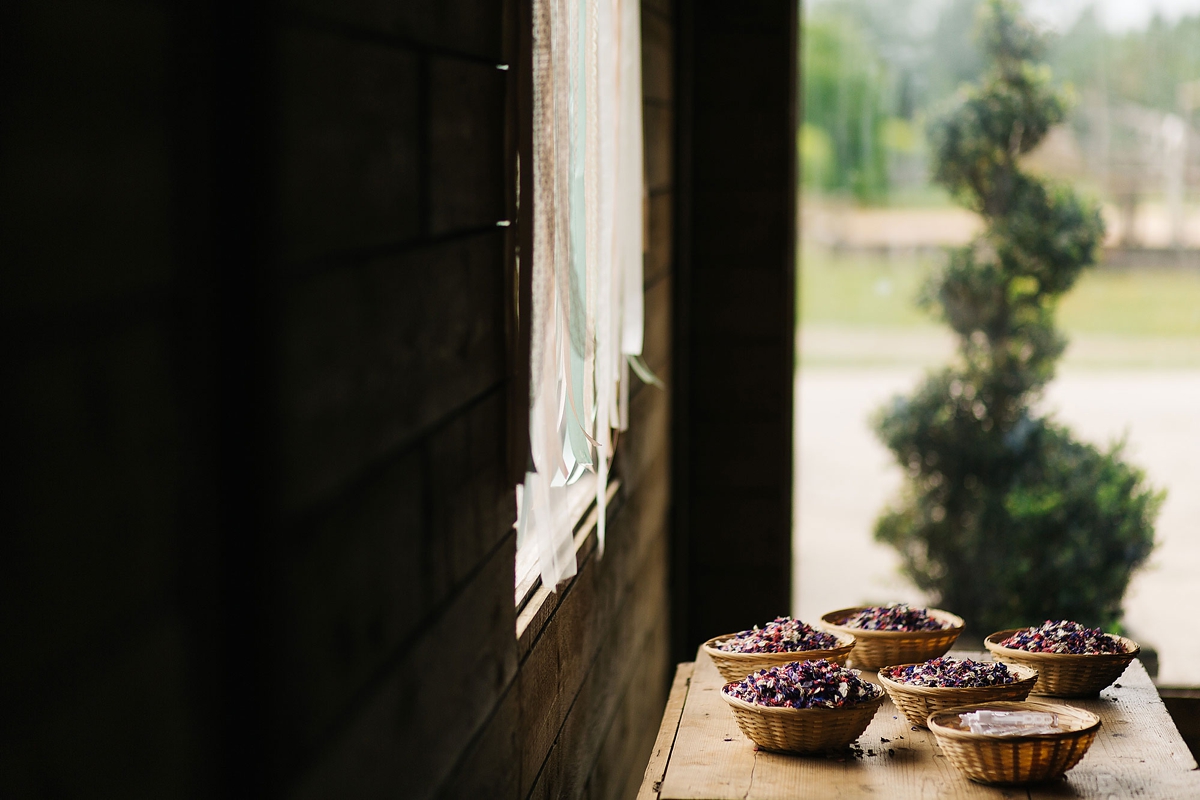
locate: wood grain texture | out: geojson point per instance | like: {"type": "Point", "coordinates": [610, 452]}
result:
{"type": "Point", "coordinates": [660, 756]}
{"type": "Point", "coordinates": [658, 127]}
{"type": "Point", "coordinates": [662, 7]}
{"type": "Point", "coordinates": [651, 408]}
{"type": "Point", "coordinates": [656, 346]}
{"type": "Point", "coordinates": [87, 196]}
{"type": "Point", "coordinates": [96, 421]}
{"type": "Point", "coordinates": [1138, 753]}
{"type": "Point", "coordinates": [468, 27]}
{"type": "Point", "coordinates": [377, 432]}
{"type": "Point", "coordinates": [734, 181]}
{"type": "Point", "coordinates": [566, 650]}
{"type": "Point", "coordinates": [403, 742]}
{"type": "Point", "coordinates": [634, 640]}
{"type": "Point", "coordinates": [466, 140]}
{"type": "Point", "coordinates": [121, 729]}
{"type": "Point", "coordinates": [488, 767]}
{"type": "Point", "coordinates": [658, 74]}
{"type": "Point", "coordinates": [350, 590]}
{"type": "Point", "coordinates": [262, 522]}
{"type": "Point", "coordinates": [660, 247]}
{"type": "Point", "coordinates": [349, 145]}
{"type": "Point", "coordinates": [371, 356]}
{"type": "Point", "coordinates": [580, 723]}
{"type": "Point", "coordinates": [629, 740]}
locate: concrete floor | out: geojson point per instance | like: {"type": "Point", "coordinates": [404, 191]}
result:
{"type": "Point", "coordinates": [845, 477]}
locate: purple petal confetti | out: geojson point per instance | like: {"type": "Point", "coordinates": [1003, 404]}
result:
{"type": "Point", "coordinates": [805, 684]}
{"type": "Point", "coordinates": [951, 672]}
{"type": "Point", "coordinates": [895, 617]}
{"type": "Point", "coordinates": [783, 635]}
{"type": "Point", "coordinates": [1064, 636]}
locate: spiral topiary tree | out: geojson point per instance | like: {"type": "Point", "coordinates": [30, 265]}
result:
{"type": "Point", "coordinates": [1006, 519]}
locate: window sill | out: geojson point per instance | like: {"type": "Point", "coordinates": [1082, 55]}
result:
{"type": "Point", "coordinates": [536, 603]}
{"type": "Point", "coordinates": [581, 499]}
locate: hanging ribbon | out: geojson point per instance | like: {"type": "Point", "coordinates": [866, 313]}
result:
{"type": "Point", "coordinates": [586, 319]}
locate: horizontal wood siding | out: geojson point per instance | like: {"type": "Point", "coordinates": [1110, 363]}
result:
{"type": "Point", "coordinates": [260, 535]}
{"type": "Point", "coordinates": [105, 406]}
{"type": "Point", "coordinates": [575, 722]}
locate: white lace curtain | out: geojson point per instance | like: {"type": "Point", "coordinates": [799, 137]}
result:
{"type": "Point", "coordinates": [587, 316]}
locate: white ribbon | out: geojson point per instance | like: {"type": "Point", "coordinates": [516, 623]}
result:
{"type": "Point", "coordinates": [587, 260]}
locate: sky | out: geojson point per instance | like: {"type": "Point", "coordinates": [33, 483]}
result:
{"type": "Point", "coordinates": [1117, 15]}
{"type": "Point", "coordinates": [1058, 15]}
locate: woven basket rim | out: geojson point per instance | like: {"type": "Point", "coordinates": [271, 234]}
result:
{"type": "Point", "coordinates": [832, 621]}
{"type": "Point", "coordinates": [784, 711]}
{"type": "Point", "coordinates": [1030, 677]}
{"type": "Point", "coordinates": [710, 648]}
{"type": "Point", "coordinates": [992, 643]}
{"type": "Point", "coordinates": [1062, 709]}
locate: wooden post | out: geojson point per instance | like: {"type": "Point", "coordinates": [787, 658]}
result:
{"type": "Point", "coordinates": [735, 317]}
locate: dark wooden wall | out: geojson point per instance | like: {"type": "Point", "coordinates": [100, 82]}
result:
{"type": "Point", "coordinates": [112, 509]}
{"type": "Point", "coordinates": [736, 326]}
{"type": "Point", "coordinates": [258, 536]}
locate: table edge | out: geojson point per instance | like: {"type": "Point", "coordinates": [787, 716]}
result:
{"type": "Point", "coordinates": [660, 756]}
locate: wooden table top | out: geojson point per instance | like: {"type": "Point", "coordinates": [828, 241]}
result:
{"type": "Point", "coordinates": [701, 753]}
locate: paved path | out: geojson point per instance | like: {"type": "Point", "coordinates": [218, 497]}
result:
{"type": "Point", "coordinates": [845, 477]}
{"type": "Point", "coordinates": [924, 227]}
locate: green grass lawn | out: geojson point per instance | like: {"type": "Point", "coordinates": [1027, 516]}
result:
{"type": "Point", "coordinates": [877, 290]}
{"type": "Point", "coordinates": [862, 289]}
{"type": "Point", "coordinates": [1141, 302]}
{"type": "Point", "coordinates": [1135, 317]}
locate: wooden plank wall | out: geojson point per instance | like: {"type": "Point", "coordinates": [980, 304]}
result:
{"type": "Point", "coordinates": [108, 607]}
{"type": "Point", "coordinates": [579, 716]}
{"type": "Point", "coordinates": [261, 535]}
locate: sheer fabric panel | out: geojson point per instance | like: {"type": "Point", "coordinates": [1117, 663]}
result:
{"type": "Point", "coordinates": [587, 315]}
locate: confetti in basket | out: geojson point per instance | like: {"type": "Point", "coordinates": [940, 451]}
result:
{"type": "Point", "coordinates": [1066, 674]}
{"type": "Point", "coordinates": [802, 730]}
{"type": "Point", "coordinates": [879, 648]}
{"type": "Point", "coordinates": [918, 702]}
{"type": "Point", "coordinates": [735, 666]}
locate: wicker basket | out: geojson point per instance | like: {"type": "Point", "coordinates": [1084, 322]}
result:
{"type": "Point", "coordinates": [875, 649]}
{"type": "Point", "coordinates": [918, 702]}
{"type": "Point", "coordinates": [1065, 674]}
{"type": "Point", "coordinates": [1015, 759]}
{"type": "Point", "coordinates": [736, 666]}
{"type": "Point", "coordinates": [802, 730]}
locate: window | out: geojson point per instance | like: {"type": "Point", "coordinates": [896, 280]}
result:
{"type": "Point", "coordinates": [875, 227]}
{"type": "Point", "coordinates": [586, 262]}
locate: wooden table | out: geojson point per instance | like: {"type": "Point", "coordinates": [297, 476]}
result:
{"type": "Point", "coordinates": [702, 755]}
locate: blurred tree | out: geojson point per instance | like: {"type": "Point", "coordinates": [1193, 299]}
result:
{"type": "Point", "coordinates": [844, 80]}
{"type": "Point", "coordinates": [1144, 67]}
{"type": "Point", "coordinates": [1007, 520]}
{"type": "Point", "coordinates": [951, 57]}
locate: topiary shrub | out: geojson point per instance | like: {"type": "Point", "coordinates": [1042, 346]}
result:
{"type": "Point", "coordinates": [1006, 519]}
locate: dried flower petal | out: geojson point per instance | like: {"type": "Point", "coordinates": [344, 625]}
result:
{"type": "Point", "coordinates": [783, 635]}
{"type": "Point", "coordinates": [1063, 636]}
{"type": "Point", "coordinates": [805, 684]}
{"type": "Point", "coordinates": [894, 617]}
{"type": "Point", "coordinates": [951, 672]}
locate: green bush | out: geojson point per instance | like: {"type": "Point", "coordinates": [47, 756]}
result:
{"type": "Point", "coordinates": [1006, 519]}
